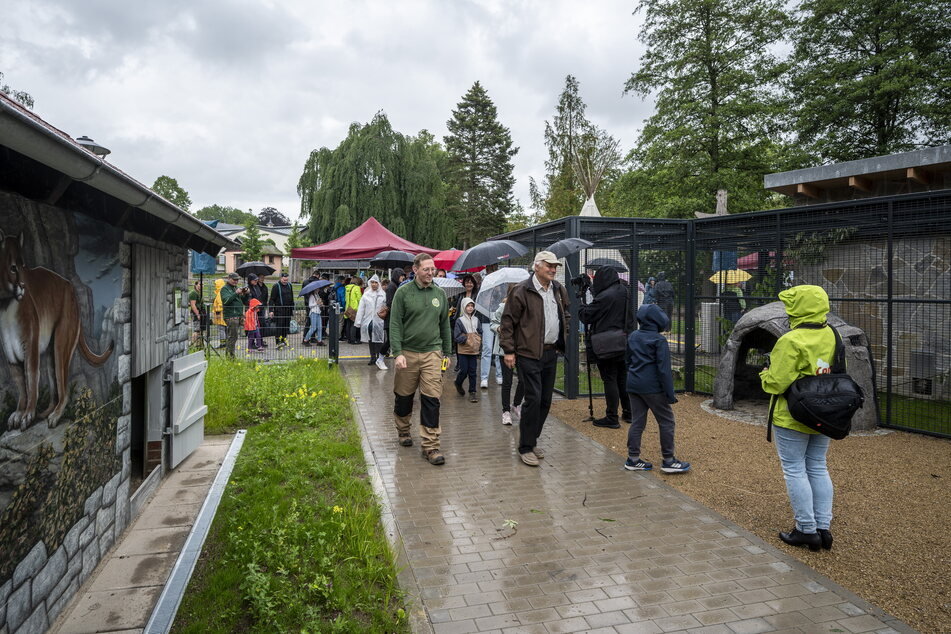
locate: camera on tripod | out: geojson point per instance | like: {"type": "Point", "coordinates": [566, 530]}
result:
{"type": "Point", "coordinates": [582, 284]}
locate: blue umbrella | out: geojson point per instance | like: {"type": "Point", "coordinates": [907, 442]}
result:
{"type": "Point", "coordinates": [313, 286]}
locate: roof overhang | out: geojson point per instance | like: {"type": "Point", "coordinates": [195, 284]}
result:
{"type": "Point", "coordinates": [24, 133]}
{"type": "Point", "coordinates": [918, 166]}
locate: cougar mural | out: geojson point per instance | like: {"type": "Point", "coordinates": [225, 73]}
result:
{"type": "Point", "coordinates": [38, 311]}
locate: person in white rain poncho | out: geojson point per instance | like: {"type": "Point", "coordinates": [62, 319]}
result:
{"type": "Point", "coordinates": [369, 320]}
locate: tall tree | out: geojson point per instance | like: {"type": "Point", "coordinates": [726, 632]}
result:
{"type": "Point", "coordinates": [21, 97]}
{"type": "Point", "coordinates": [561, 194]}
{"type": "Point", "coordinates": [230, 215]}
{"type": "Point", "coordinates": [169, 189]}
{"type": "Point", "coordinates": [271, 216]}
{"type": "Point", "coordinates": [717, 105]}
{"type": "Point", "coordinates": [296, 239]}
{"type": "Point", "coordinates": [377, 172]}
{"type": "Point", "coordinates": [251, 245]}
{"type": "Point", "coordinates": [872, 77]}
{"type": "Point", "coordinates": [480, 168]}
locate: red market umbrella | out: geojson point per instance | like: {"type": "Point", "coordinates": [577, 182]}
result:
{"type": "Point", "coordinates": [445, 259]}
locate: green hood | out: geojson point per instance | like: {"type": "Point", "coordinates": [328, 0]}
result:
{"type": "Point", "coordinates": [805, 304]}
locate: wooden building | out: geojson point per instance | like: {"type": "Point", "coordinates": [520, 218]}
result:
{"type": "Point", "coordinates": [99, 397]}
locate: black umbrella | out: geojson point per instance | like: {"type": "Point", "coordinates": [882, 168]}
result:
{"type": "Point", "coordinates": [491, 252]}
{"type": "Point", "coordinates": [391, 259]}
{"type": "Point", "coordinates": [313, 286]}
{"type": "Point", "coordinates": [258, 268]}
{"type": "Point", "coordinates": [568, 246]}
{"type": "Point", "coordinates": [600, 263]}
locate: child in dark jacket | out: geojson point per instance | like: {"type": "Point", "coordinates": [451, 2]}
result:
{"type": "Point", "coordinates": [468, 348]}
{"type": "Point", "coordinates": [650, 386]}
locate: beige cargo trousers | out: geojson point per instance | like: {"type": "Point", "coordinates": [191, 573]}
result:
{"type": "Point", "coordinates": [423, 372]}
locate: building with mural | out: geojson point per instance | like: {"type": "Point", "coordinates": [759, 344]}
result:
{"type": "Point", "coordinates": [93, 275]}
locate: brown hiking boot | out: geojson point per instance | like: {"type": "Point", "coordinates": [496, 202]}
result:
{"type": "Point", "coordinates": [433, 456]}
{"type": "Point", "coordinates": [406, 441]}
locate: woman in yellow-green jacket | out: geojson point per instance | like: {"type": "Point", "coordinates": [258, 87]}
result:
{"type": "Point", "coordinates": [353, 294]}
{"type": "Point", "coordinates": [805, 350]}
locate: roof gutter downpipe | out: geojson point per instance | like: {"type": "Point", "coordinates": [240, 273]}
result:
{"type": "Point", "coordinates": [23, 134]}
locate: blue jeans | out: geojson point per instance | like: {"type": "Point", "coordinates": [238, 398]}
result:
{"type": "Point", "coordinates": [488, 343]}
{"type": "Point", "coordinates": [315, 326]}
{"type": "Point", "coordinates": [803, 458]}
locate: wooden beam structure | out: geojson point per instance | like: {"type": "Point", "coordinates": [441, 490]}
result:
{"type": "Point", "coordinates": [808, 190]}
{"type": "Point", "coordinates": [861, 183]}
{"type": "Point", "coordinates": [918, 175]}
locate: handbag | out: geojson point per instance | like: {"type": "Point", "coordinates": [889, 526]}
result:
{"type": "Point", "coordinates": [609, 344]}
{"type": "Point", "coordinates": [824, 403]}
{"type": "Point", "coordinates": [383, 312]}
{"type": "Point", "coordinates": [350, 313]}
{"type": "Point", "coordinates": [293, 328]}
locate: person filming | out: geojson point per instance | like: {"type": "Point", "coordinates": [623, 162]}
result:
{"type": "Point", "coordinates": [610, 321]}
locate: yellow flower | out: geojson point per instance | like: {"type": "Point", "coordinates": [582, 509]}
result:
{"type": "Point", "coordinates": [313, 394]}
{"type": "Point", "coordinates": [337, 509]}
{"type": "Point", "coordinates": [320, 391]}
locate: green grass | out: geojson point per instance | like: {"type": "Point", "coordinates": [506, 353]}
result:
{"type": "Point", "coordinates": [918, 414]}
{"type": "Point", "coordinates": [296, 545]}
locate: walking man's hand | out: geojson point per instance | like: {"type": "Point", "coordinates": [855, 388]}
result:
{"type": "Point", "coordinates": [509, 361]}
{"type": "Point", "coordinates": [400, 362]}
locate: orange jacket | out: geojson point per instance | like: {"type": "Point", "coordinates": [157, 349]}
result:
{"type": "Point", "coordinates": [251, 315]}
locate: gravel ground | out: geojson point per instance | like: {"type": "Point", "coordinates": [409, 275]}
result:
{"type": "Point", "coordinates": [892, 511]}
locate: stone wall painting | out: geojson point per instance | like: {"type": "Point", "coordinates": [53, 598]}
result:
{"type": "Point", "coordinates": [60, 279]}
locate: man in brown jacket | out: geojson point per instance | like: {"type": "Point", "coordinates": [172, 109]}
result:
{"type": "Point", "coordinates": [533, 331]}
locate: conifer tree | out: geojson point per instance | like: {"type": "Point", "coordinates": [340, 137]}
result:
{"type": "Point", "coordinates": [717, 119]}
{"type": "Point", "coordinates": [251, 245]}
{"type": "Point", "coordinates": [481, 172]}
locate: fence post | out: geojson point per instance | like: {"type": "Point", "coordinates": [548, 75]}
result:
{"type": "Point", "coordinates": [890, 323]}
{"type": "Point", "coordinates": [333, 332]}
{"type": "Point", "coordinates": [572, 357]}
{"type": "Point", "coordinates": [690, 327]}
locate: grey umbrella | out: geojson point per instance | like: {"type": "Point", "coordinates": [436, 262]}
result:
{"type": "Point", "coordinates": [568, 246]}
{"type": "Point", "coordinates": [599, 263]}
{"type": "Point", "coordinates": [490, 252]}
{"type": "Point", "coordinates": [391, 259]}
{"type": "Point", "coordinates": [258, 268]}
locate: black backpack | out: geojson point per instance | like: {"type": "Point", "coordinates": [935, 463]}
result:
{"type": "Point", "coordinates": [824, 403]}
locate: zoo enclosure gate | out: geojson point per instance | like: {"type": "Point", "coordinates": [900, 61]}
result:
{"type": "Point", "coordinates": [885, 263]}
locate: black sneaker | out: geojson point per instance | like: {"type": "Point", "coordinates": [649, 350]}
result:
{"type": "Point", "coordinates": [674, 466]}
{"type": "Point", "coordinates": [797, 538]}
{"type": "Point", "coordinates": [604, 422]}
{"type": "Point", "coordinates": [826, 536]}
{"type": "Point", "coordinates": [459, 389]}
{"type": "Point", "coordinates": [637, 465]}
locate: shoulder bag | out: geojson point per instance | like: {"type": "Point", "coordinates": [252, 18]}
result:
{"type": "Point", "coordinates": [609, 344]}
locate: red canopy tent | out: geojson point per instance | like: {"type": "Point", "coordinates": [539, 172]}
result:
{"type": "Point", "coordinates": [362, 243]}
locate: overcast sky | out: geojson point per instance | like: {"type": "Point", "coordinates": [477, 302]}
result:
{"type": "Point", "coordinates": [230, 96]}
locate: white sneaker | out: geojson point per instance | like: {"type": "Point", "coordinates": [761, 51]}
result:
{"type": "Point", "coordinates": [380, 363]}
{"type": "Point", "coordinates": [506, 418]}
{"type": "Point", "coordinates": [517, 411]}
{"type": "Point", "coordinates": [498, 380]}
{"type": "Point", "coordinates": [485, 384]}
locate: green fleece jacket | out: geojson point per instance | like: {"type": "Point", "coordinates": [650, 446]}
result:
{"type": "Point", "coordinates": [419, 320]}
{"type": "Point", "coordinates": [232, 302]}
{"type": "Point", "coordinates": [800, 352]}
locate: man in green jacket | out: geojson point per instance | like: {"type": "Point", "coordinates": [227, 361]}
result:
{"type": "Point", "coordinates": [233, 303]}
{"type": "Point", "coordinates": [420, 340]}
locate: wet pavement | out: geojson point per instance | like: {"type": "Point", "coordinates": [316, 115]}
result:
{"type": "Point", "coordinates": [577, 544]}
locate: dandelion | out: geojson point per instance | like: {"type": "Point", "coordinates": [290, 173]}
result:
{"type": "Point", "coordinates": [337, 509]}
{"type": "Point", "coordinates": [320, 392]}
{"type": "Point", "coordinates": [313, 394]}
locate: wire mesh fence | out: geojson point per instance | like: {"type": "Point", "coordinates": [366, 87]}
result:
{"type": "Point", "coordinates": [885, 263]}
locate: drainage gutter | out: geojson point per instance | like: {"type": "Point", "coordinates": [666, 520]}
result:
{"type": "Point", "coordinates": [163, 615]}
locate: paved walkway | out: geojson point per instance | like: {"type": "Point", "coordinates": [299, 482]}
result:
{"type": "Point", "coordinates": [596, 548]}
{"type": "Point", "coordinates": [120, 595]}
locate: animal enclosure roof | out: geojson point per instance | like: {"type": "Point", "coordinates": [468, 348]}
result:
{"type": "Point", "coordinates": [362, 243]}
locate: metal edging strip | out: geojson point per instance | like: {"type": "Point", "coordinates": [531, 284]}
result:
{"type": "Point", "coordinates": [163, 614]}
